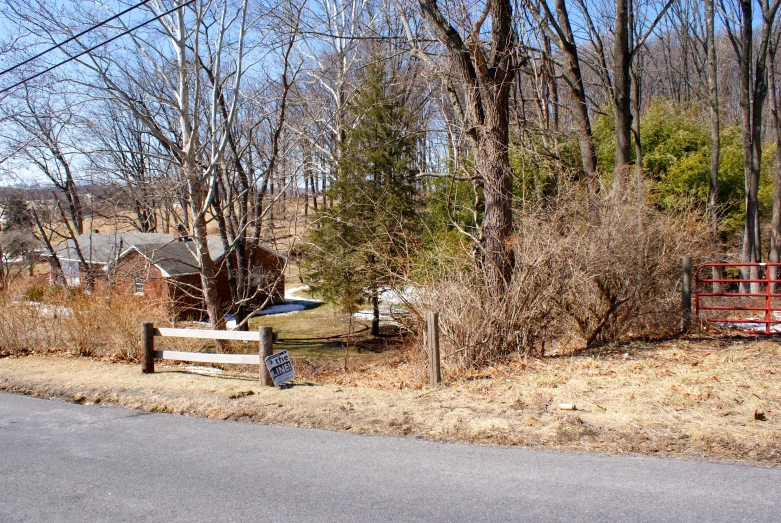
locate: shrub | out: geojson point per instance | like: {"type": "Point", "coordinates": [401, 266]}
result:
{"type": "Point", "coordinates": [21, 328]}
{"type": "Point", "coordinates": [574, 285]}
{"type": "Point", "coordinates": [624, 273]}
{"type": "Point", "coordinates": [106, 325]}
{"type": "Point", "coordinates": [35, 293]}
{"type": "Point", "coordinates": [102, 324]}
{"type": "Point", "coordinates": [480, 327]}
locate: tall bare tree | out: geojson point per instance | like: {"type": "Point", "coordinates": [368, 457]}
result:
{"type": "Point", "coordinates": [157, 78]}
{"type": "Point", "coordinates": [478, 73]}
{"type": "Point", "coordinates": [753, 80]}
{"type": "Point", "coordinates": [38, 135]}
{"type": "Point", "coordinates": [559, 30]}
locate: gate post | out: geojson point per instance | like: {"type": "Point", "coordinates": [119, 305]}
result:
{"type": "Point", "coordinates": [686, 292]}
{"type": "Point", "coordinates": [768, 292]}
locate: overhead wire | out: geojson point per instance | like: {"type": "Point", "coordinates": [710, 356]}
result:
{"type": "Point", "coordinates": [74, 37]}
{"type": "Point", "coordinates": [89, 50]}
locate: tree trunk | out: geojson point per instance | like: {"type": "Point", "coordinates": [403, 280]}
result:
{"type": "Point", "coordinates": [484, 81]}
{"type": "Point", "coordinates": [54, 261]}
{"type": "Point", "coordinates": [86, 264]}
{"type": "Point", "coordinates": [313, 182]}
{"type": "Point", "coordinates": [748, 252]}
{"type": "Point", "coordinates": [621, 96]}
{"type": "Point", "coordinates": [211, 297]}
{"type": "Point", "coordinates": [713, 108]}
{"type": "Point", "coordinates": [549, 72]}
{"type": "Point", "coordinates": [375, 313]}
{"type": "Point", "coordinates": [636, 102]}
{"type": "Point", "coordinates": [206, 267]}
{"type": "Point", "coordinates": [236, 274]}
{"type": "Point", "coordinates": [752, 99]}
{"type": "Point", "coordinates": [775, 224]}
{"type": "Point", "coordinates": [760, 94]}
{"type": "Point", "coordinates": [715, 138]}
{"type": "Point", "coordinates": [307, 162]}
{"type": "Point", "coordinates": [579, 109]}
{"type": "Point", "coordinates": [241, 314]}
{"type": "Point", "coordinates": [493, 164]}
{"type": "Point", "coordinates": [74, 204]}
{"type": "Point", "coordinates": [323, 188]}
{"type": "Point", "coordinates": [2, 265]}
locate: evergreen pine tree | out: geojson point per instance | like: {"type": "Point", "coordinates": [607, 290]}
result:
{"type": "Point", "coordinates": [361, 241]}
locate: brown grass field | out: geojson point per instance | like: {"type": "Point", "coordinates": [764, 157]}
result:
{"type": "Point", "coordinates": [695, 398]}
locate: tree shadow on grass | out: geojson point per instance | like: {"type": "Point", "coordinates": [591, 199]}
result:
{"type": "Point", "coordinates": [640, 346]}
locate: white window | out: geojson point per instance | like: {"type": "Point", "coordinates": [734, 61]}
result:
{"type": "Point", "coordinates": [138, 287]}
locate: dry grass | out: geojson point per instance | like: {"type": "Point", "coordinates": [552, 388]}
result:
{"type": "Point", "coordinates": [692, 398]}
{"type": "Point", "coordinates": [54, 318]}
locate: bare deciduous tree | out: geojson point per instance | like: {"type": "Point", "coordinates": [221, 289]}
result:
{"type": "Point", "coordinates": [478, 74]}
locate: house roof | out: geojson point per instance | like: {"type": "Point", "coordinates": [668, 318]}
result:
{"type": "Point", "coordinates": [178, 258]}
{"type": "Point", "coordinates": [107, 247]}
{"type": "Point", "coordinates": [174, 258]}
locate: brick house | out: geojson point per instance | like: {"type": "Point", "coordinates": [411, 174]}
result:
{"type": "Point", "coordinates": [164, 267]}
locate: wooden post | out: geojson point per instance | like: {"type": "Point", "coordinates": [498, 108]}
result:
{"type": "Point", "coordinates": [686, 292]}
{"type": "Point", "coordinates": [147, 347]}
{"type": "Point", "coordinates": [432, 331]}
{"type": "Point", "coordinates": [266, 349]}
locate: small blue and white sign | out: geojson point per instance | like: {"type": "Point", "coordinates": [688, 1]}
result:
{"type": "Point", "coordinates": [280, 367]}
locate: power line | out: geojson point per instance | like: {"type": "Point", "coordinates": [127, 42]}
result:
{"type": "Point", "coordinates": [74, 37]}
{"type": "Point", "coordinates": [123, 33]}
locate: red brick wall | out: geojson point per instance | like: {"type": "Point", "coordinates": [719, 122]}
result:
{"type": "Point", "coordinates": [184, 292]}
{"type": "Point", "coordinates": [133, 267]}
{"type": "Point", "coordinates": [186, 295]}
{"type": "Point", "coordinates": [273, 269]}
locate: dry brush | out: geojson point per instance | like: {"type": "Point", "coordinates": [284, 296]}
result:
{"type": "Point", "coordinates": [575, 283]}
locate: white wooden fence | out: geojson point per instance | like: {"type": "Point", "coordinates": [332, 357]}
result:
{"type": "Point", "coordinates": [264, 336]}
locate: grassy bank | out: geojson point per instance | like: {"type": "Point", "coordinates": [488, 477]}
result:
{"type": "Point", "coordinates": [716, 399]}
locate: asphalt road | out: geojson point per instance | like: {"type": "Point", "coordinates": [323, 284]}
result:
{"type": "Point", "coordinates": [64, 462]}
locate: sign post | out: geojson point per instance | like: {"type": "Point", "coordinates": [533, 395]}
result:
{"type": "Point", "coordinates": [266, 350]}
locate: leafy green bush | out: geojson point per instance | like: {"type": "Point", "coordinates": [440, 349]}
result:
{"type": "Point", "coordinates": [676, 159]}
{"type": "Point", "coordinates": [677, 149]}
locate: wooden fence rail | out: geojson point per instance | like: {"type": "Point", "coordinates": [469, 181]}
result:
{"type": "Point", "coordinates": [264, 336]}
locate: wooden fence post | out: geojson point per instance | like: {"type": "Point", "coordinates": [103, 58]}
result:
{"type": "Point", "coordinates": [266, 349]}
{"type": "Point", "coordinates": [147, 347]}
{"type": "Point", "coordinates": [686, 292]}
{"type": "Point", "coordinates": [432, 331]}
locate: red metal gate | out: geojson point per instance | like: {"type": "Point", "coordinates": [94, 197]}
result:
{"type": "Point", "coordinates": [737, 298]}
